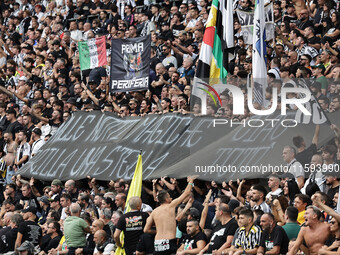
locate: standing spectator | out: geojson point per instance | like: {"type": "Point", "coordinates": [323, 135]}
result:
{"type": "Point", "coordinates": [14, 126]}
{"type": "Point", "coordinates": [247, 236]}
{"type": "Point", "coordinates": [23, 150]}
{"type": "Point", "coordinates": [301, 201]}
{"type": "Point", "coordinates": [37, 141]}
{"type": "Point", "coordinates": [132, 224]}
{"type": "Point", "coordinates": [292, 227]}
{"type": "Point", "coordinates": [75, 229]}
{"type": "Point", "coordinates": [258, 197]}
{"type": "Point", "coordinates": [294, 167]}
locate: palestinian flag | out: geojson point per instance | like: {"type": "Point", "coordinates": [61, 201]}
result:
{"type": "Point", "coordinates": [216, 51]}
{"type": "Point", "coordinates": [92, 53]}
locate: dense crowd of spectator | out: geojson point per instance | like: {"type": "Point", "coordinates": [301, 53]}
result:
{"type": "Point", "coordinates": [41, 86]}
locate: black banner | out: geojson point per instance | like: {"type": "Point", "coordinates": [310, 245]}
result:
{"type": "Point", "coordinates": [106, 147]}
{"type": "Point", "coordinates": [130, 63]}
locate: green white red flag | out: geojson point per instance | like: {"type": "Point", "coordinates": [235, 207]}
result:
{"type": "Point", "coordinates": [92, 53]}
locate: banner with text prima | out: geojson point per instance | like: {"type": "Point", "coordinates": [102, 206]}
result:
{"type": "Point", "coordinates": [130, 63]}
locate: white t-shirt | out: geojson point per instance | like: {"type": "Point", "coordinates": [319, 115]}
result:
{"type": "Point", "coordinates": [23, 150]}
{"type": "Point", "coordinates": [36, 146]}
{"type": "Point", "coordinates": [107, 250]}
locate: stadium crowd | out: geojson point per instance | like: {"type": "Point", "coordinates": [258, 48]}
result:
{"type": "Point", "coordinates": [41, 86]}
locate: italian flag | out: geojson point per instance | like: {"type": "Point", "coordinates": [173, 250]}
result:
{"type": "Point", "coordinates": [92, 53]}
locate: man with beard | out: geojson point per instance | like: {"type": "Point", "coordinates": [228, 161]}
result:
{"type": "Point", "coordinates": [14, 125]}
{"type": "Point", "coordinates": [258, 197]}
{"type": "Point", "coordinates": [194, 241]}
{"type": "Point", "coordinates": [274, 238]}
{"type": "Point", "coordinates": [28, 198]}
{"type": "Point", "coordinates": [223, 234]}
{"type": "Point", "coordinates": [9, 149]}
{"type": "Point", "coordinates": [162, 78]}
{"type": "Point", "coordinates": [23, 150]}
{"type": "Point", "coordinates": [145, 107]}
{"type": "Point", "coordinates": [11, 194]}
{"type": "Point", "coordinates": [310, 234]}
{"type": "Point", "coordinates": [55, 122]}
{"type": "Point", "coordinates": [103, 246]}
{"type": "Point", "coordinates": [175, 79]}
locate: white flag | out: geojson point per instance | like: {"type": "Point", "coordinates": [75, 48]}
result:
{"type": "Point", "coordinates": [259, 53]}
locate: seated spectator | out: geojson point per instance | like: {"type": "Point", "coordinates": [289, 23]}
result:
{"type": "Point", "coordinates": [273, 238]}
{"type": "Point", "coordinates": [247, 236]}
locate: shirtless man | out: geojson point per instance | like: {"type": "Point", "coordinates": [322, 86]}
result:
{"type": "Point", "coordinates": [10, 148]}
{"type": "Point", "coordinates": [311, 233]}
{"type": "Point", "coordinates": [164, 219]}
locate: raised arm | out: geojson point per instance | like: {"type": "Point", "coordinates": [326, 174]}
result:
{"type": "Point", "coordinates": [204, 213]}
{"type": "Point", "coordinates": [186, 192]}
{"type": "Point", "coordinates": [316, 135]}
{"type": "Point", "coordinates": [90, 94]}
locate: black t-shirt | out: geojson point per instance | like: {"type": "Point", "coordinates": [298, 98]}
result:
{"type": "Point", "coordinates": [3, 240]}
{"type": "Point", "coordinates": [221, 232]}
{"type": "Point", "coordinates": [331, 192]}
{"type": "Point", "coordinates": [132, 223]}
{"type": "Point", "coordinates": [313, 40]}
{"type": "Point", "coordinates": [8, 239]}
{"type": "Point", "coordinates": [278, 237]}
{"type": "Point", "coordinates": [146, 243]}
{"type": "Point", "coordinates": [157, 90]}
{"type": "Point", "coordinates": [190, 243]}
{"type": "Point", "coordinates": [52, 244]}
{"type": "Point", "coordinates": [304, 157]}
{"type": "Point", "coordinates": [30, 231]}
{"type": "Point", "coordinates": [14, 127]}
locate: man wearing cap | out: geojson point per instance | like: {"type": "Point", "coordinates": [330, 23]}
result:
{"type": "Point", "coordinates": [37, 141]}
{"type": "Point", "coordinates": [318, 72]}
{"type": "Point", "coordinates": [57, 187]}
{"type": "Point", "coordinates": [72, 104]}
{"type": "Point", "coordinates": [55, 204]}
{"type": "Point", "coordinates": [28, 230]}
{"type": "Point", "coordinates": [45, 208]}
{"type": "Point", "coordinates": [26, 248]}
{"type": "Point", "coordinates": [166, 32]}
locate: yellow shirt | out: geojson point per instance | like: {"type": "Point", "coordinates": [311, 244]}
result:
{"type": "Point", "coordinates": [300, 217]}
